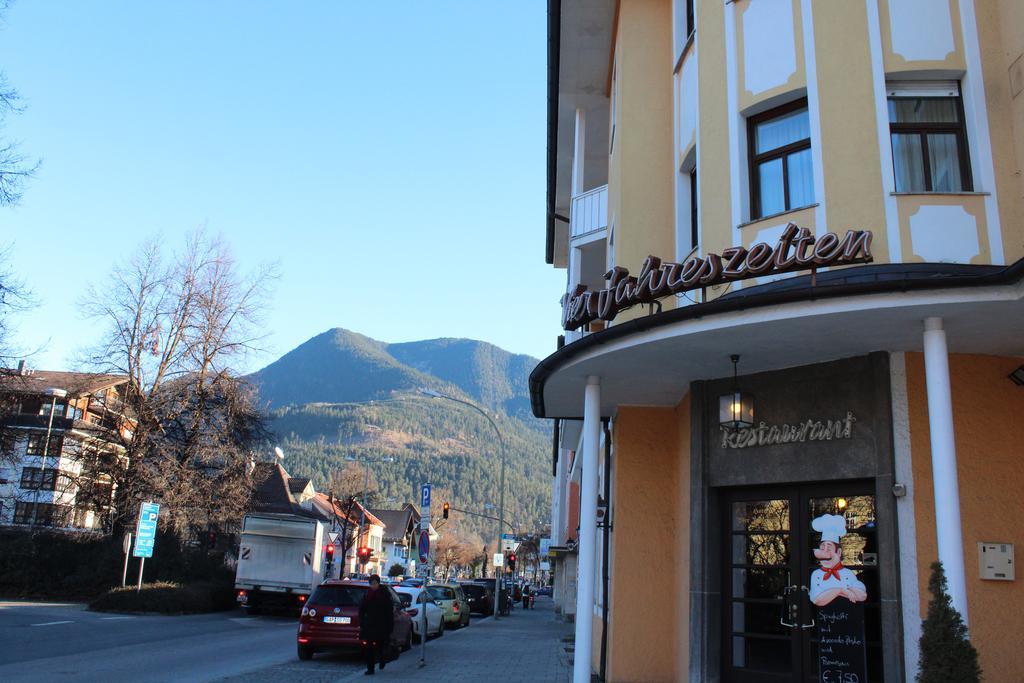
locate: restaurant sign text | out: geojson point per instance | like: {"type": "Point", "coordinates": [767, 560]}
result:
{"type": "Point", "coordinates": [796, 249]}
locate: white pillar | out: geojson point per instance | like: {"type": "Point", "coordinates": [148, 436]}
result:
{"type": "Point", "coordinates": [944, 478]}
{"type": "Point", "coordinates": [587, 547]}
{"type": "Point", "coordinates": [579, 152]}
{"type": "Point", "coordinates": [563, 498]}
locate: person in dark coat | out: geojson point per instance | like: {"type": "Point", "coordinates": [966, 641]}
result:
{"type": "Point", "coordinates": [376, 621]}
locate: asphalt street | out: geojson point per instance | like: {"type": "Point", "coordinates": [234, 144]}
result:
{"type": "Point", "coordinates": [66, 642]}
{"type": "Point", "coordinates": [529, 646]}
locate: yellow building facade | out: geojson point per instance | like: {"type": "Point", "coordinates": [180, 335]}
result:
{"type": "Point", "coordinates": [758, 404]}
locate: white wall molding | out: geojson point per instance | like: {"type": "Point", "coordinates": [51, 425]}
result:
{"type": "Point", "coordinates": [892, 221]}
{"type": "Point", "coordinates": [814, 115]}
{"type": "Point", "coordinates": [979, 139]}
{"type": "Point", "coordinates": [910, 597]}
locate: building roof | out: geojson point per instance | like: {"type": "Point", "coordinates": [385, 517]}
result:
{"type": "Point", "coordinates": [397, 522]}
{"type": "Point", "coordinates": [75, 383]}
{"type": "Point", "coordinates": [270, 491]}
{"type": "Point", "coordinates": [322, 502]}
{"type": "Point", "coordinates": [370, 517]}
{"type": "Point", "coordinates": [297, 484]}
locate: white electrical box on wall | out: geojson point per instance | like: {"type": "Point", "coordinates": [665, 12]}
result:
{"type": "Point", "coordinates": [995, 561]}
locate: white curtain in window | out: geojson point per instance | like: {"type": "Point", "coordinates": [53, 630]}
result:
{"type": "Point", "coordinates": [907, 162]}
{"type": "Point", "coordinates": [782, 131]}
{"type": "Point", "coordinates": [944, 159]}
{"type": "Point", "coordinates": [770, 178]}
{"type": "Point", "coordinates": [801, 179]}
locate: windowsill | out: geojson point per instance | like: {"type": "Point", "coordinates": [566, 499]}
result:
{"type": "Point", "coordinates": [777, 215]}
{"type": "Point", "coordinates": [940, 194]}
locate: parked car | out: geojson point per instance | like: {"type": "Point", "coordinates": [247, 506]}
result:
{"type": "Point", "coordinates": [544, 590]}
{"type": "Point", "coordinates": [330, 618]}
{"type": "Point", "coordinates": [412, 582]}
{"type": "Point", "coordinates": [479, 597]}
{"type": "Point", "coordinates": [453, 601]}
{"type": "Point", "coordinates": [416, 599]}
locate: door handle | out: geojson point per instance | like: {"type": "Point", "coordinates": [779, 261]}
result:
{"type": "Point", "coordinates": [810, 625]}
{"type": "Point", "coordinates": [790, 608]}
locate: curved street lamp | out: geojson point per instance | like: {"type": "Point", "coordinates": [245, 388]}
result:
{"type": "Point", "coordinates": [501, 491]}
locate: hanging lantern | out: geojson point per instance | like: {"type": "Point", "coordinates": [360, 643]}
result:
{"type": "Point", "coordinates": [736, 409]}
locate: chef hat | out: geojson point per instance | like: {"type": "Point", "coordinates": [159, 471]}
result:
{"type": "Point", "coordinates": [832, 527]}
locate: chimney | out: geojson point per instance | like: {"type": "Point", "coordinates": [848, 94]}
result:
{"type": "Point", "coordinates": [21, 367]}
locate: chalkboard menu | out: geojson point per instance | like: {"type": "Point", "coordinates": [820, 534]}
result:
{"type": "Point", "coordinates": [841, 648]}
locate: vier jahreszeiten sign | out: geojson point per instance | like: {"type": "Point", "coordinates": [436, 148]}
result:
{"type": "Point", "coordinates": [796, 249]}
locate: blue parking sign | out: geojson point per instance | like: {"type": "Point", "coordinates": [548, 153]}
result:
{"type": "Point", "coordinates": [145, 530]}
{"type": "Point", "coordinates": [425, 497]}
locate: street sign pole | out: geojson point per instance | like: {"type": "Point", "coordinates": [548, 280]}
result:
{"type": "Point", "coordinates": [425, 529]}
{"type": "Point", "coordinates": [142, 563]}
{"type": "Point", "coordinates": [127, 553]}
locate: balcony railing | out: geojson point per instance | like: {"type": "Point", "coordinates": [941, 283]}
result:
{"type": "Point", "coordinates": [589, 212]}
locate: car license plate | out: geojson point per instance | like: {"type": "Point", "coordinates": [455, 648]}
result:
{"type": "Point", "coordinates": [337, 620]}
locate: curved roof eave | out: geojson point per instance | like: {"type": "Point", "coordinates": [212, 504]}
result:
{"type": "Point", "coordinates": [845, 282]}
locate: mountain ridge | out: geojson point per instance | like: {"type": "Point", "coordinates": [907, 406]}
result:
{"type": "Point", "coordinates": [342, 396]}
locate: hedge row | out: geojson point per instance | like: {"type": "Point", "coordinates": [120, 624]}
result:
{"type": "Point", "coordinates": [77, 566]}
{"type": "Point", "coordinates": [165, 597]}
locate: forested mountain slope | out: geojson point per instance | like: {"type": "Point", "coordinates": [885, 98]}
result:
{"type": "Point", "coordinates": [318, 395]}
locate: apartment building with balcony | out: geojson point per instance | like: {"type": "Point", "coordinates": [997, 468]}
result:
{"type": "Point", "coordinates": [59, 433]}
{"type": "Point", "coordinates": [792, 232]}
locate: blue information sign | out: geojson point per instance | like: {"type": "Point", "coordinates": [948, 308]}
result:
{"type": "Point", "coordinates": [425, 497]}
{"type": "Point", "coordinates": [145, 530]}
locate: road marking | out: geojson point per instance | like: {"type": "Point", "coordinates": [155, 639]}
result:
{"type": "Point", "coordinates": [113, 618]}
{"type": "Point", "coordinates": [53, 623]}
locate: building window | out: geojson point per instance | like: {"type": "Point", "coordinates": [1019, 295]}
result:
{"type": "Point", "coordinates": [929, 138]}
{"type": "Point", "coordinates": [45, 514]}
{"type": "Point", "coordinates": [23, 513]}
{"type": "Point", "coordinates": [781, 172]}
{"type": "Point", "coordinates": [37, 444]}
{"type": "Point", "coordinates": [57, 406]}
{"type": "Point", "coordinates": [35, 479]}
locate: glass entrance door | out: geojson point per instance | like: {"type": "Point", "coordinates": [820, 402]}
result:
{"type": "Point", "coordinates": [769, 630]}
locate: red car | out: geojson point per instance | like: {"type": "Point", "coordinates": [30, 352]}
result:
{"type": "Point", "coordinates": [330, 618]}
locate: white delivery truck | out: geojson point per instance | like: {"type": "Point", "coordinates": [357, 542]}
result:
{"type": "Point", "coordinates": [280, 561]}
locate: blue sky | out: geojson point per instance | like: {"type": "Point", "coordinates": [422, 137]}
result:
{"type": "Point", "coordinates": [388, 156]}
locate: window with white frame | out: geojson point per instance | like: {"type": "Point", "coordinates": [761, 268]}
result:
{"type": "Point", "coordinates": [928, 137]}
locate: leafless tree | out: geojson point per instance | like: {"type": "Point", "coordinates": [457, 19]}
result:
{"type": "Point", "coordinates": [15, 298]}
{"type": "Point", "coordinates": [449, 552]}
{"type": "Point", "coordinates": [15, 167]}
{"type": "Point", "coordinates": [348, 481]}
{"type": "Point", "coordinates": [174, 325]}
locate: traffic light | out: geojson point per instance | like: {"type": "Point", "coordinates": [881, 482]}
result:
{"type": "Point", "coordinates": [363, 554]}
{"type": "Point", "coordinates": [445, 510]}
{"type": "Point", "coordinates": [211, 540]}
{"type": "Point", "coordinates": [329, 552]}
{"type": "Point", "coordinates": [511, 562]}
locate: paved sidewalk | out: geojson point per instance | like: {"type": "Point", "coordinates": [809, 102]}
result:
{"type": "Point", "coordinates": [526, 646]}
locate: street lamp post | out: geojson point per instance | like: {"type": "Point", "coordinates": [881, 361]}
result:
{"type": "Point", "coordinates": [501, 491]}
{"type": "Point", "coordinates": [54, 394]}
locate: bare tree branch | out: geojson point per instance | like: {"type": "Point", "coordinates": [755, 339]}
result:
{"type": "Point", "coordinates": [175, 325]}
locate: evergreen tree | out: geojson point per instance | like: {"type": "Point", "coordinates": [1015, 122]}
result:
{"type": "Point", "coordinates": [396, 570]}
{"type": "Point", "coordinates": [947, 655]}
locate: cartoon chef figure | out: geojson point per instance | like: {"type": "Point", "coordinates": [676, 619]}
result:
{"type": "Point", "coordinates": [833, 579]}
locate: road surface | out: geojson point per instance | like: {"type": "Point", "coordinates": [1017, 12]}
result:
{"type": "Point", "coordinates": [66, 642]}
